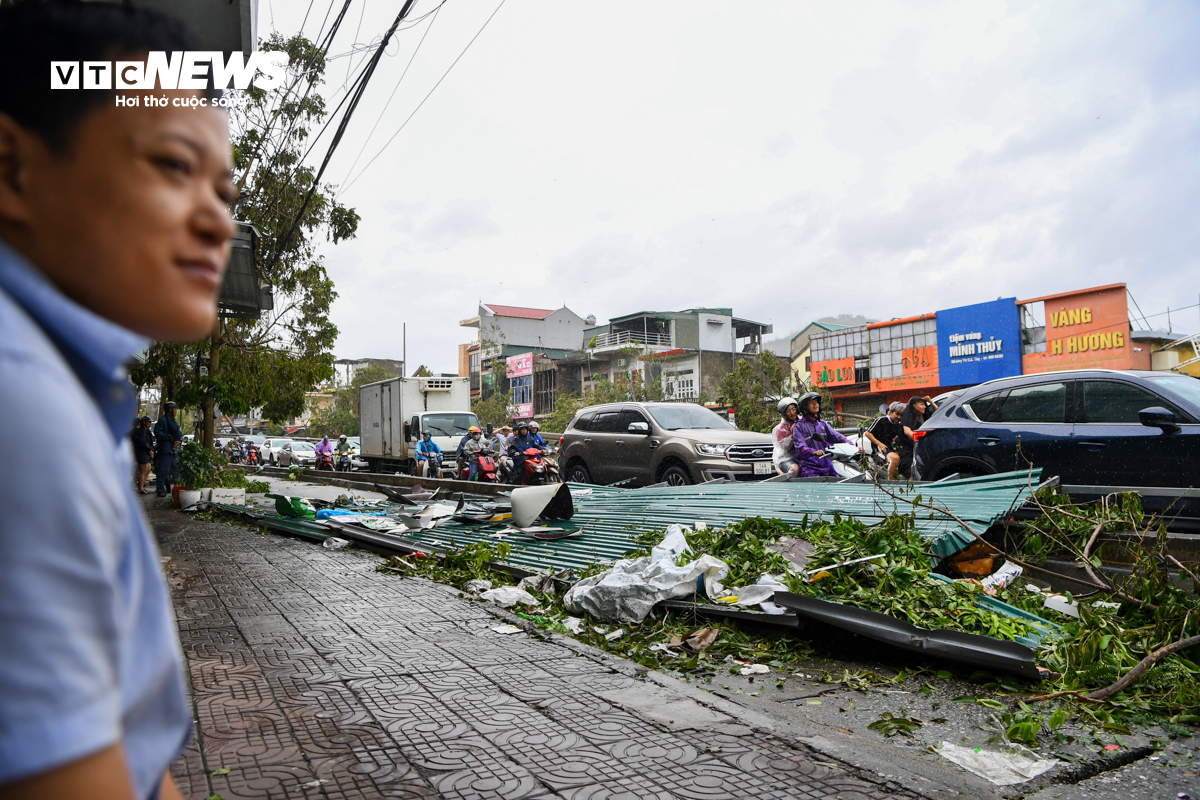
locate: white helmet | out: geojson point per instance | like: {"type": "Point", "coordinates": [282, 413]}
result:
{"type": "Point", "coordinates": [785, 402]}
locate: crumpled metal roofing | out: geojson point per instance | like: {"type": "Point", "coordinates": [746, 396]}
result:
{"type": "Point", "coordinates": [611, 517]}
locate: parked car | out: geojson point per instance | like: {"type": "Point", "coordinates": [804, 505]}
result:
{"type": "Point", "coordinates": [644, 443]}
{"type": "Point", "coordinates": [302, 454]}
{"type": "Point", "coordinates": [1088, 427]}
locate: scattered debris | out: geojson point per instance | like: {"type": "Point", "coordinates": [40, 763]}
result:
{"type": "Point", "coordinates": [334, 543]}
{"type": "Point", "coordinates": [477, 586]}
{"type": "Point", "coordinates": [509, 596]}
{"type": "Point", "coordinates": [1001, 768]}
{"type": "Point", "coordinates": [754, 669]}
{"type": "Point", "coordinates": [889, 725]}
{"type": "Point", "coordinates": [507, 630]}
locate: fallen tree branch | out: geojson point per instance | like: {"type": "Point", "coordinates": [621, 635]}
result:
{"type": "Point", "coordinates": [1177, 563]}
{"type": "Point", "coordinates": [1143, 665]}
{"type": "Point", "coordinates": [1079, 694]}
{"type": "Point", "coordinates": [1095, 583]}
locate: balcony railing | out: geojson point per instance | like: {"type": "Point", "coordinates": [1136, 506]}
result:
{"type": "Point", "coordinates": [619, 338]}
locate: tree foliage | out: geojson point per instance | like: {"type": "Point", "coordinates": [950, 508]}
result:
{"type": "Point", "coordinates": [754, 388]}
{"type": "Point", "coordinates": [270, 363]}
{"type": "Point", "coordinates": [631, 386]}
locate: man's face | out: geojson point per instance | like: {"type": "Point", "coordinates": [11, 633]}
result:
{"type": "Point", "coordinates": [919, 406]}
{"type": "Point", "coordinates": [132, 221]}
{"type": "Point", "coordinates": [170, 411]}
{"type": "Point", "coordinates": [894, 415]}
{"type": "Point", "coordinates": [814, 406]}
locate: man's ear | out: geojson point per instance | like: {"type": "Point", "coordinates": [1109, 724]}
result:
{"type": "Point", "coordinates": [15, 148]}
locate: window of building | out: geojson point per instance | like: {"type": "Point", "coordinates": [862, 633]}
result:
{"type": "Point", "coordinates": [522, 389]}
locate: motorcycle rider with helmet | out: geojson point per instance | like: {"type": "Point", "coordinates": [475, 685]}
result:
{"type": "Point", "coordinates": [471, 448]}
{"type": "Point", "coordinates": [521, 441]}
{"type": "Point", "coordinates": [426, 448]}
{"type": "Point", "coordinates": [811, 435]}
{"type": "Point", "coordinates": [534, 429]}
{"type": "Point", "coordinates": [784, 454]}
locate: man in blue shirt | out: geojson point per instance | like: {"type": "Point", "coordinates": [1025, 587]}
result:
{"type": "Point", "coordinates": [167, 436]}
{"type": "Point", "coordinates": [114, 228]}
{"type": "Point", "coordinates": [427, 448]}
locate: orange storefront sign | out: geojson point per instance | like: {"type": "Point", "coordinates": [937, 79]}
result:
{"type": "Point", "coordinates": [838, 372]}
{"type": "Point", "coordinates": [920, 366]}
{"type": "Point", "coordinates": [1084, 330]}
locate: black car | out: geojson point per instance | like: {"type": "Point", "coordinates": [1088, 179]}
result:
{"type": "Point", "coordinates": [1088, 427]}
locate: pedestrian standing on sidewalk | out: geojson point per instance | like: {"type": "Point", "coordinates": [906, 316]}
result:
{"type": "Point", "coordinates": [143, 452]}
{"type": "Point", "coordinates": [114, 230]}
{"type": "Point", "coordinates": [167, 436]}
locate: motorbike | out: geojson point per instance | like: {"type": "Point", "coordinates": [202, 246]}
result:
{"type": "Point", "coordinates": [343, 463]}
{"type": "Point", "coordinates": [486, 471]}
{"type": "Point", "coordinates": [845, 460]}
{"type": "Point", "coordinates": [433, 466]}
{"type": "Point", "coordinates": [534, 473]}
{"type": "Point", "coordinates": [552, 475]}
{"type": "Point", "coordinates": [233, 453]}
{"type": "Point", "coordinates": [252, 456]}
{"type": "Point", "coordinates": [324, 461]}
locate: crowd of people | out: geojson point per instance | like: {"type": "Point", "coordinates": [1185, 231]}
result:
{"type": "Point", "coordinates": [157, 446]}
{"type": "Point", "coordinates": [802, 436]}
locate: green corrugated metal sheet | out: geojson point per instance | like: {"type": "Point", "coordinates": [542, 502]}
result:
{"type": "Point", "coordinates": [610, 518]}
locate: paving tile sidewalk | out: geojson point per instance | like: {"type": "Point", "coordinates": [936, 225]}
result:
{"type": "Point", "coordinates": [313, 676]}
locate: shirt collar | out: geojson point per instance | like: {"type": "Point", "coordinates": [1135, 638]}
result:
{"type": "Point", "coordinates": [95, 348]}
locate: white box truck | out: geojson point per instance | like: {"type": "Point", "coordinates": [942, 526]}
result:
{"type": "Point", "coordinates": [394, 413]}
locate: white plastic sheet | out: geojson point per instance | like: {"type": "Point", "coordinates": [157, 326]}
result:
{"type": "Point", "coordinates": [630, 588]}
{"type": "Point", "coordinates": [1001, 768]}
{"type": "Point", "coordinates": [509, 596]}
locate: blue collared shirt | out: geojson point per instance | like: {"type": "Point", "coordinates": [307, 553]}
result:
{"type": "Point", "coordinates": [89, 654]}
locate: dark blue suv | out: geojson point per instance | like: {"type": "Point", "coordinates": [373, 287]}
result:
{"type": "Point", "coordinates": [1088, 427]}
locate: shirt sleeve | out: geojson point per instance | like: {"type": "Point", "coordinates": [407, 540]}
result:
{"type": "Point", "coordinates": [60, 586]}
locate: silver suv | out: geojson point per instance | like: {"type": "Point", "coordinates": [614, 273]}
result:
{"type": "Point", "coordinates": [644, 443]}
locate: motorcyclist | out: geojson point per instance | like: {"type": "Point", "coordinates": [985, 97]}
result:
{"type": "Point", "coordinates": [426, 448]}
{"type": "Point", "coordinates": [521, 441]}
{"type": "Point", "coordinates": [914, 416]}
{"type": "Point", "coordinates": [470, 450]}
{"type": "Point", "coordinates": [884, 433]}
{"type": "Point", "coordinates": [324, 447]}
{"type": "Point", "coordinates": [784, 454]}
{"type": "Point", "coordinates": [534, 433]}
{"type": "Point", "coordinates": [811, 435]}
{"type": "Point", "coordinates": [344, 448]}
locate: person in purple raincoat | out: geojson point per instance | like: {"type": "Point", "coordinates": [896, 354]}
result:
{"type": "Point", "coordinates": [811, 435]}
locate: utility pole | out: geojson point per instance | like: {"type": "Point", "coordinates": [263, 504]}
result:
{"type": "Point", "coordinates": [210, 394]}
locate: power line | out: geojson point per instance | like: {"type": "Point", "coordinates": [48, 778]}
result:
{"type": "Point", "coordinates": [418, 108]}
{"type": "Point", "coordinates": [379, 119]}
{"type": "Point", "coordinates": [337, 138]}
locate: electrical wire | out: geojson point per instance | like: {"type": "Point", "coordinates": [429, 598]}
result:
{"type": "Point", "coordinates": [337, 137]}
{"type": "Point", "coordinates": [427, 96]}
{"type": "Point", "coordinates": [379, 119]}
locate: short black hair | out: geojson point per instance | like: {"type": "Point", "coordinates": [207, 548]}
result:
{"type": "Point", "coordinates": [35, 32]}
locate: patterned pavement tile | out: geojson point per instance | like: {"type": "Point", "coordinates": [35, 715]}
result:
{"type": "Point", "coordinates": [313, 676]}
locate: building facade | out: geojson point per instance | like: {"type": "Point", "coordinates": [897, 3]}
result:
{"type": "Point", "coordinates": [866, 366]}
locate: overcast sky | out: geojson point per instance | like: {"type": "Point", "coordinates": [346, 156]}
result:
{"type": "Point", "coordinates": [791, 160]}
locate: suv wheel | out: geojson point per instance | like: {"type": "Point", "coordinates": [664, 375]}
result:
{"type": "Point", "coordinates": [578, 473]}
{"type": "Point", "coordinates": [677, 475]}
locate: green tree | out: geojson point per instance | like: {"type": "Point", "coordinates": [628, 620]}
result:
{"type": "Point", "coordinates": [271, 362]}
{"type": "Point", "coordinates": [342, 416]}
{"type": "Point", "coordinates": [630, 386]}
{"type": "Point", "coordinates": [753, 389]}
{"type": "Point", "coordinates": [494, 407]}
